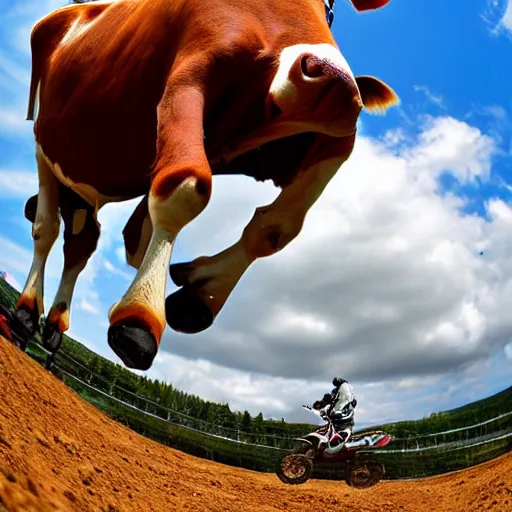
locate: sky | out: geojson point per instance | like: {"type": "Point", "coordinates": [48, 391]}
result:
{"type": "Point", "coordinates": [401, 279]}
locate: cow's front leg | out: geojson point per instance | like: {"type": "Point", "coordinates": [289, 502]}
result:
{"type": "Point", "coordinates": [207, 282]}
{"type": "Point", "coordinates": [44, 215]}
{"type": "Point", "coordinates": [180, 190]}
{"type": "Point", "coordinates": [81, 234]}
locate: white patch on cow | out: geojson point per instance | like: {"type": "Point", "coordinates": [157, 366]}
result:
{"type": "Point", "coordinates": [168, 217]}
{"type": "Point", "coordinates": [80, 26]}
{"type": "Point", "coordinates": [69, 277]}
{"type": "Point", "coordinates": [81, 5]}
{"type": "Point", "coordinates": [79, 218]}
{"type": "Point", "coordinates": [219, 275]}
{"type": "Point", "coordinates": [285, 92]}
{"type": "Point", "coordinates": [85, 191]}
{"type": "Point", "coordinates": [135, 260]}
{"type": "Point", "coordinates": [33, 111]}
{"type": "Point", "coordinates": [216, 276]}
{"type": "Point", "coordinates": [74, 30]}
{"type": "Point", "coordinates": [178, 209]}
{"type": "Point", "coordinates": [148, 287]}
{"type": "Point", "coordinates": [282, 89]}
{"type": "Point", "coordinates": [64, 295]}
{"type": "Point", "coordinates": [45, 231]}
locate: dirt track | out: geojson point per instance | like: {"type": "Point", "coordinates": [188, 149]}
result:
{"type": "Point", "coordinates": [57, 452]}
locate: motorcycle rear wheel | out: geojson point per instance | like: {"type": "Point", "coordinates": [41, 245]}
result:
{"type": "Point", "coordinates": [365, 473]}
{"type": "Point", "coordinates": [294, 469]}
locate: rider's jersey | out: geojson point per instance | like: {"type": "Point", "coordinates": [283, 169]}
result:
{"type": "Point", "coordinates": [341, 407]}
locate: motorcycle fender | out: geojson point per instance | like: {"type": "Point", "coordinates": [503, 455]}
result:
{"type": "Point", "coordinates": [320, 437]}
{"type": "Point", "coordinates": [302, 440]}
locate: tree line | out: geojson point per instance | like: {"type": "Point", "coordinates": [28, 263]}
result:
{"type": "Point", "coordinates": [218, 418]}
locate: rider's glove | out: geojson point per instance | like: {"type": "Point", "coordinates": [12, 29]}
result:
{"type": "Point", "coordinates": [318, 405]}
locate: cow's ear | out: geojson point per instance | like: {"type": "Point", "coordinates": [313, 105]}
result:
{"type": "Point", "coordinates": [376, 95]}
{"type": "Point", "coordinates": [366, 5]}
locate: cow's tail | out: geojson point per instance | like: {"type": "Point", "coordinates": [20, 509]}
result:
{"type": "Point", "coordinates": [35, 78]}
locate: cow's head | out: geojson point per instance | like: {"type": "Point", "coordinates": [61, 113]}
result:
{"type": "Point", "coordinates": [315, 87]}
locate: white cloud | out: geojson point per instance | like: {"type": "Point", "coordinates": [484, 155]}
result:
{"type": "Point", "coordinates": [110, 267]}
{"type": "Point", "coordinates": [277, 397]}
{"type": "Point", "coordinates": [88, 307]}
{"type": "Point", "coordinates": [450, 144]}
{"type": "Point", "coordinates": [13, 256]}
{"type": "Point", "coordinates": [495, 111]}
{"type": "Point", "coordinates": [385, 282]}
{"type": "Point", "coordinates": [11, 68]}
{"type": "Point", "coordinates": [498, 15]}
{"type": "Point", "coordinates": [120, 253]}
{"type": "Point", "coordinates": [506, 21]}
{"type": "Point", "coordinates": [12, 121]}
{"type": "Point", "coordinates": [21, 184]}
{"type": "Point", "coordinates": [436, 99]}
{"type": "Point", "coordinates": [378, 401]}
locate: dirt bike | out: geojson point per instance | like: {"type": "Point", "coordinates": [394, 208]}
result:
{"type": "Point", "coordinates": [326, 445]}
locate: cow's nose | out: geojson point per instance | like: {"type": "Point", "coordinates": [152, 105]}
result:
{"type": "Point", "coordinates": [314, 69]}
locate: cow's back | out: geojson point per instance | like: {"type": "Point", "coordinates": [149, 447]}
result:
{"type": "Point", "coordinates": [104, 67]}
{"type": "Point", "coordinates": [99, 88]}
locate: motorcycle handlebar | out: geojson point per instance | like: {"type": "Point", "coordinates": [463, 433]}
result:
{"type": "Point", "coordinates": [318, 413]}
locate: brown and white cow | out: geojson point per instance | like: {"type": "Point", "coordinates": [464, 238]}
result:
{"type": "Point", "coordinates": [151, 98]}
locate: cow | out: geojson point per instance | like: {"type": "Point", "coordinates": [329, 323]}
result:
{"type": "Point", "coordinates": [151, 98]}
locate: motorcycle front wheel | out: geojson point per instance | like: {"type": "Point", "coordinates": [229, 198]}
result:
{"type": "Point", "coordinates": [305, 449]}
{"type": "Point", "coordinates": [294, 469]}
{"type": "Point", "coordinates": [364, 474]}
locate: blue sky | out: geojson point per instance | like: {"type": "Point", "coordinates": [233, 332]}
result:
{"type": "Point", "coordinates": [418, 321]}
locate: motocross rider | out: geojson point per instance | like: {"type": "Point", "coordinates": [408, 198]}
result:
{"type": "Point", "coordinates": [339, 405]}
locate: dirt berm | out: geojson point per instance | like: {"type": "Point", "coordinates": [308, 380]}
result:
{"type": "Point", "coordinates": [57, 452]}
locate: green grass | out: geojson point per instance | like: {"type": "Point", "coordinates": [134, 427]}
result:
{"type": "Point", "coordinates": [470, 414]}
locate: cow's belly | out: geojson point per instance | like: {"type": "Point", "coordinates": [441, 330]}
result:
{"type": "Point", "coordinates": [93, 191]}
{"type": "Point", "coordinates": [103, 153]}
{"type": "Point", "coordinates": [91, 195]}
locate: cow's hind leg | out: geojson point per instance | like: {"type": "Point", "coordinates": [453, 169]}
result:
{"type": "Point", "coordinates": [44, 213]}
{"type": "Point", "coordinates": [137, 234]}
{"type": "Point", "coordinates": [81, 234]}
{"type": "Point", "coordinates": [179, 191]}
{"type": "Point", "coordinates": [207, 282]}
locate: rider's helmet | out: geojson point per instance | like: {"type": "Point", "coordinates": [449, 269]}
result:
{"type": "Point", "coordinates": [338, 381]}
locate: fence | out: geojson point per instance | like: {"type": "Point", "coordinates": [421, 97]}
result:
{"type": "Point", "coordinates": [414, 456]}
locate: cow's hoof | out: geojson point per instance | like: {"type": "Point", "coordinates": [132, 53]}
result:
{"type": "Point", "coordinates": [179, 273]}
{"type": "Point", "coordinates": [49, 362]}
{"type": "Point", "coordinates": [25, 324]}
{"type": "Point", "coordinates": [187, 313]}
{"type": "Point", "coordinates": [19, 326]}
{"type": "Point", "coordinates": [134, 344]}
{"type": "Point", "coordinates": [51, 338]}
